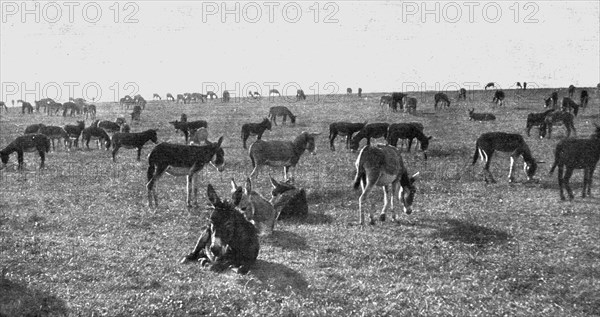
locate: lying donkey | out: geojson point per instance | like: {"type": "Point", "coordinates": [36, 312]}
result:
{"type": "Point", "coordinates": [256, 208]}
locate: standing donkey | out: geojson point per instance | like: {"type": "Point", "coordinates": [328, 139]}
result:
{"type": "Point", "coordinates": [276, 111]}
{"type": "Point", "coordinates": [257, 129]}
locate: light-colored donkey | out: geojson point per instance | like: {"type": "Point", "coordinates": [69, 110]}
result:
{"type": "Point", "coordinates": [257, 209]}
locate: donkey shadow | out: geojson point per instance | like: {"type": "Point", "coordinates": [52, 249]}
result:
{"type": "Point", "coordinates": [468, 233]}
{"type": "Point", "coordinates": [276, 277]}
{"type": "Point", "coordinates": [286, 240]}
{"type": "Point", "coordinates": [18, 300]}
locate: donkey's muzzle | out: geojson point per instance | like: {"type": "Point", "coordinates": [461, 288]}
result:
{"type": "Point", "coordinates": [216, 251]}
{"type": "Point", "coordinates": [408, 210]}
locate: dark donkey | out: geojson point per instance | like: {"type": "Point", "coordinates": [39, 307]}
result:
{"type": "Point", "coordinates": [441, 97]}
{"type": "Point", "coordinates": [182, 160]}
{"type": "Point", "coordinates": [584, 98]}
{"type": "Point", "coordinates": [407, 131]}
{"type": "Point", "coordinates": [276, 111]}
{"type": "Point", "coordinates": [187, 127]}
{"type": "Point", "coordinates": [230, 240]}
{"type": "Point", "coordinates": [343, 128]}
{"type": "Point", "coordinates": [371, 130]}
{"type": "Point", "coordinates": [514, 143]}
{"type": "Point", "coordinates": [74, 131]}
{"type": "Point", "coordinates": [95, 133]}
{"type": "Point", "coordinates": [577, 154]}
{"type": "Point", "coordinates": [257, 129]}
{"type": "Point", "coordinates": [536, 119]}
{"type": "Point", "coordinates": [26, 143]}
{"type": "Point", "coordinates": [132, 140]}
{"type": "Point", "coordinates": [55, 133]}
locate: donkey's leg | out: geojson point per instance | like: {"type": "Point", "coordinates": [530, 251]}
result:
{"type": "Point", "coordinates": [196, 179]}
{"type": "Point", "coordinates": [363, 197]}
{"type": "Point", "coordinates": [586, 172]}
{"type": "Point", "coordinates": [114, 152]}
{"type": "Point", "coordinates": [510, 170]}
{"type": "Point", "coordinates": [198, 253]}
{"type": "Point", "coordinates": [385, 202]}
{"type": "Point", "coordinates": [190, 184]}
{"type": "Point", "coordinates": [560, 181]}
{"type": "Point", "coordinates": [255, 171]}
{"type": "Point", "coordinates": [151, 185]}
{"type": "Point", "coordinates": [42, 158]}
{"type": "Point", "coordinates": [139, 153]}
{"type": "Point", "coordinates": [566, 178]}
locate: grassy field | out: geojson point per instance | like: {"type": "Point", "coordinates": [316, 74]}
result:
{"type": "Point", "coordinates": [77, 238]}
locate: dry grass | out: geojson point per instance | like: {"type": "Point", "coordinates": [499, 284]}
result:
{"type": "Point", "coordinates": [78, 239]}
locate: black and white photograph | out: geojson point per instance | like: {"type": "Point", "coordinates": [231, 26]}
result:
{"type": "Point", "coordinates": [299, 158]}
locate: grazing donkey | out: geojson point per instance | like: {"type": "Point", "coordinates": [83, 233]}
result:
{"type": "Point", "coordinates": [34, 128]}
{"type": "Point", "coordinates": [95, 133]}
{"type": "Point", "coordinates": [257, 129]}
{"type": "Point", "coordinates": [552, 99]}
{"type": "Point", "coordinates": [186, 127]}
{"type": "Point", "coordinates": [577, 154]}
{"type": "Point", "coordinates": [536, 119]}
{"type": "Point", "coordinates": [132, 141]}
{"type": "Point", "coordinates": [407, 131]}
{"type": "Point", "coordinates": [489, 85]}
{"type": "Point", "coordinates": [229, 241]}
{"type": "Point", "coordinates": [71, 109]}
{"type": "Point", "coordinates": [26, 107]}
{"type": "Point", "coordinates": [385, 100]}
{"type": "Point", "coordinates": [568, 104]}
{"type": "Point", "coordinates": [371, 130]}
{"type": "Point", "coordinates": [89, 110]}
{"type": "Point", "coordinates": [226, 96]}
{"type": "Point", "coordinates": [409, 104]}
{"type": "Point", "coordinates": [300, 95]}
{"type": "Point", "coordinates": [53, 108]}
{"type": "Point", "coordinates": [382, 165]}
{"type": "Point", "coordinates": [462, 94]}
{"type": "Point", "coordinates": [442, 97]}
{"type": "Point", "coordinates": [55, 133]}
{"type": "Point", "coordinates": [74, 131]}
{"type": "Point", "coordinates": [499, 97]}
{"type": "Point", "coordinates": [566, 118]}
{"type": "Point", "coordinates": [571, 91]}
{"type": "Point", "coordinates": [3, 106]}
{"type": "Point", "coordinates": [182, 160]}
{"type": "Point", "coordinates": [584, 98]}
{"type": "Point", "coordinates": [170, 97]}
{"type": "Point", "coordinates": [157, 96]}
{"type": "Point", "coordinates": [257, 209]}
{"type": "Point", "coordinates": [397, 98]}
{"type": "Point", "coordinates": [288, 201]}
{"type": "Point", "coordinates": [281, 153]}
{"type": "Point", "coordinates": [281, 111]}
{"type": "Point", "coordinates": [519, 85]}
{"type": "Point", "coordinates": [481, 116]}
{"type": "Point", "coordinates": [110, 126]}
{"type": "Point", "coordinates": [343, 128]}
{"type": "Point", "coordinates": [26, 143]}
{"type": "Point", "coordinates": [349, 91]}
{"type": "Point", "coordinates": [514, 143]}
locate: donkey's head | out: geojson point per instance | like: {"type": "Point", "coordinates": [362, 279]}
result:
{"type": "Point", "coordinates": [242, 197]}
{"type": "Point", "coordinates": [267, 123]}
{"type": "Point", "coordinates": [81, 124]}
{"type": "Point", "coordinates": [4, 156]}
{"type": "Point", "coordinates": [222, 224]}
{"type": "Point", "coordinates": [218, 160]}
{"type": "Point", "coordinates": [279, 188]}
{"type": "Point", "coordinates": [407, 192]}
{"type": "Point", "coordinates": [153, 135]}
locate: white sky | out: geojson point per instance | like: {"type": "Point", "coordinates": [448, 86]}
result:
{"type": "Point", "coordinates": [178, 46]}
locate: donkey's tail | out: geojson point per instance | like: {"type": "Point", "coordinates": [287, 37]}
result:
{"type": "Point", "coordinates": [360, 176]}
{"type": "Point", "coordinates": [556, 154]}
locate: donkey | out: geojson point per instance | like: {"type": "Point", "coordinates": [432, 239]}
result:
{"type": "Point", "coordinates": [212, 95]}
{"type": "Point", "coordinates": [281, 153]}
{"type": "Point", "coordinates": [409, 104]}
{"type": "Point", "coordinates": [577, 154]}
{"type": "Point", "coordinates": [536, 119]}
{"type": "Point", "coordinates": [157, 97]}
{"type": "Point", "coordinates": [199, 137]}
{"type": "Point", "coordinates": [359, 92]}
{"type": "Point", "coordinates": [481, 116]}
{"type": "Point", "coordinates": [397, 98]}
{"type": "Point", "coordinates": [371, 130]}
{"type": "Point", "coordinates": [442, 97]}
{"type": "Point", "coordinates": [43, 103]}
{"type": "Point", "coordinates": [552, 99]}
{"type": "Point", "coordinates": [169, 97]}
{"type": "Point", "coordinates": [257, 129]}
{"type": "Point", "coordinates": [181, 98]}
{"type": "Point", "coordinates": [489, 85]}
{"type": "Point", "coordinates": [499, 97]}
{"type": "Point", "coordinates": [54, 133]}
{"type": "Point", "coordinates": [186, 127]}
{"type": "Point", "coordinates": [132, 140]}
{"type": "Point", "coordinates": [182, 160]}
{"type": "Point", "coordinates": [488, 143]}
{"type": "Point", "coordinates": [462, 94]}
{"type": "Point", "coordinates": [385, 100]}
{"type": "Point", "coordinates": [226, 96]}
{"type": "Point", "coordinates": [273, 92]}
{"type": "Point", "coordinates": [343, 128]}
{"type": "Point", "coordinates": [74, 131]}
{"type": "Point", "coordinates": [229, 241]}
{"type": "Point", "coordinates": [288, 201]}
{"type": "Point", "coordinates": [3, 106]}
{"type": "Point", "coordinates": [26, 143]}
{"type": "Point", "coordinates": [110, 126]}
{"type": "Point", "coordinates": [568, 104]}
{"type": "Point", "coordinates": [584, 98]}
{"type": "Point", "coordinates": [257, 209]}
{"type": "Point", "coordinates": [300, 95]}
{"type": "Point", "coordinates": [136, 113]}
{"type": "Point", "coordinates": [71, 109]}
{"type": "Point", "coordinates": [407, 131]}
{"type": "Point", "coordinates": [557, 116]}
{"type": "Point", "coordinates": [90, 110]}
{"type": "Point", "coordinates": [53, 108]}
{"type": "Point", "coordinates": [26, 107]}
{"type": "Point", "coordinates": [519, 85]}
{"type": "Point", "coordinates": [348, 91]}
{"type": "Point", "coordinates": [96, 133]}
{"type": "Point", "coordinates": [382, 165]}
{"type": "Point", "coordinates": [281, 111]}
{"type": "Point", "coordinates": [571, 91]}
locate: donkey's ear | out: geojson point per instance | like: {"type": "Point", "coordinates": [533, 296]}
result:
{"type": "Point", "coordinates": [220, 141]}
{"type": "Point", "coordinates": [248, 186]}
{"type": "Point", "coordinates": [212, 195]}
{"type": "Point", "coordinates": [233, 185]}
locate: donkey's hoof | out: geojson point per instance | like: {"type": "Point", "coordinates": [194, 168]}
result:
{"type": "Point", "coordinates": [382, 217]}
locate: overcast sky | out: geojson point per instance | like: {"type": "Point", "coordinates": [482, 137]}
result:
{"type": "Point", "coordinates": [189, 46]}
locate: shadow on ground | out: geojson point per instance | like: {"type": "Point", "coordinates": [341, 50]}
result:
{"type": "Point", "coordinates": [18, 300]}
{"type": "Point", "coordinates": [276, 277]}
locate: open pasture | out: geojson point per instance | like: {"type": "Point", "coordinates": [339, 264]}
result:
{"type": "Point", "coordinates": [77, 238]}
